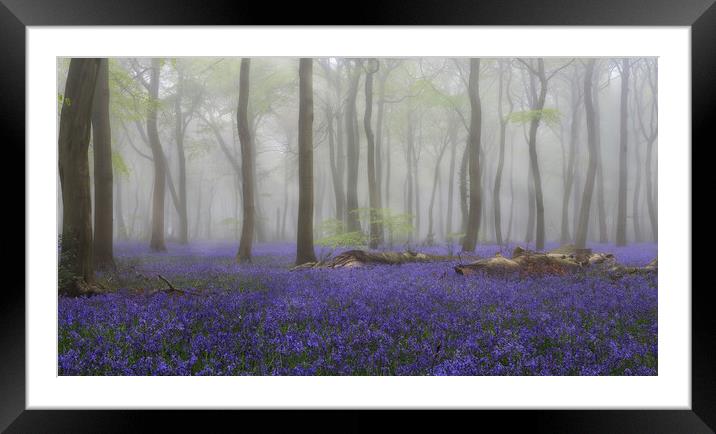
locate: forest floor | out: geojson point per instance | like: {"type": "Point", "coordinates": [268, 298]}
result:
{"type": "Point", "coordinates": [410, 319]}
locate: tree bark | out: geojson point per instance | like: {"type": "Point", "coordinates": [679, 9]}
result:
{"type": "Point", "coordinates": [534, 164]}
{"type": "Point", "coordinates": [623, 118]}
{"type": "Point", "coordinates": [473, 220]}
{"type": "Point", "coordinates": [501, 158]}
{"type": "Point", "coordinates": [247, 166]}
{"type": "Point", "coordinates": [601, 209]}
{"type": "Point", "coordinates": [304, 236]}
{"type": "Point", "coordinates": [103, 194]}
{"type": "Point", "coordinates": [430, 239]}
{"type": "Point", "coordinates": [451, 175]}
{"type": "Point", "coordinates": [157, 242]}
{"type": "Point", "coordinates": [376, 231]}
{"type": "Point", "coordinates": [179, 138]}
{"type": "Point", "coordinates": [352, 218]}
{"type": "Point", "coordinates": [573, 138]}
{"type": "Point", "coordinates": [582, 229]}
{"type": "Point", "coordinates": [73, 144]}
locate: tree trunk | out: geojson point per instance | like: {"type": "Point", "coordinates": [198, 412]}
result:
{"type": "Point", "coordinates": [304, 236]}
{"type": "Point", "coordinates": [156, 243]}
{"type": "Point", "coordinates": [582, 229]}
{"type": "Point", "coordinates": [451, 176]}
{"type": "Point", "coordinates": [601, 209]}
{"type": "Point", "coordinates": [430, 239]}
{"type": "Point", "coordinates": [336, 176]}
{"type": "Point", "coordinates": [473, 220]}
{"type": "Point", "coordinates": [622, 203]}
{"type": "Point", "coordinates": [353, 154]}
{"type": "Point", "coordinates": [501, 157]}
{"type": "Point", "coordinates": [376, 232]}
{"type": "Point", "coordinates": [102, 144]}
{"type": "Point", "coordinates": [569, 177]}
{"type": "Point", "coordinates": [463, 187]}
{"type": "Point", "coordinates": [122, 234]}
{"type": "Point", "coordinates": [75, 119]}
{"type": "Point", "coordinates": [408, 163]}
{"type": "Point", "coordinates": [247, 164]}
{"type": "Point", "coordinates": [179, 138]}
{"type": "Point", "coordinates": [537, 178]}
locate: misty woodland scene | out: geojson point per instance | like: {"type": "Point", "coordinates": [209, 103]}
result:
{"type": "Point", "coordinates": [357, 216]}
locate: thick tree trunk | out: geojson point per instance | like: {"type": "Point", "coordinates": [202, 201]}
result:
{"type": "Point", "coordinates": [583, 227]}
{"type": "Point", "coordinates": [156, 243]}
{"type": "Point", "coordinates": [376, 231]}
{"type": "Point", "coordinates": [103, 194]}
{"type": "Point", "coordinates": [304, 236]}
{"type": "Point", "coordinates": [75, 119]}
{"type": "Point", "coordinates": [623, 118]}
{"type": "Point", "coordinates": [247, 166]}
{"type": "Point", "coordinates": [352, 218]}
{"type": "Point", "coordinates": [474, 212]}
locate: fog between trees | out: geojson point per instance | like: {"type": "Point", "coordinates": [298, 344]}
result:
{"type": "Point", "coordinates": [393, 152]}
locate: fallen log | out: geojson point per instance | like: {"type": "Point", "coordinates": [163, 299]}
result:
{"type": "Point", "coordinates": [564, 260]}
{"type": "Point", "coordinates": [360, 258]}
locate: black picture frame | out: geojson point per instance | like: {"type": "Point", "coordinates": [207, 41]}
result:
{"type": "Point", "coordinates": [16, 15]}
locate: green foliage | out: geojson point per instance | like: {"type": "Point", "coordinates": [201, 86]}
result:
{"type": "Point", "coordinates": [548, 115]}
{"type": "Point", "coordinates": [395, 225]}
{"type": "Point", "coordinates": [129, 101]}
{"type": "Point", "coordinates": [334, 235]}
{"type": "Point", "coordinates": [229, 221]}
{"type": "Point", "coordinates": [118, 165]}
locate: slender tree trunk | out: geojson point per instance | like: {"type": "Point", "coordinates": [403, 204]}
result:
{"type": "Point", "coordinates": [583, 228]}
{"type": "Point", "coordinates": [336, 176]}
{"type": "Point", "coordinates": [650, 202]}
{"type": "Point", "coordinates": [119, 211]}
{"type": "Point", "coordinates": [376, 232]}
{"type": "Point", "coordinates": [623, 118]}
{"type": "Point", "coordinates": [463, 188]}
{"type": "Point", "coordinates": [387, 169]}
{"type": "Point", "coordinates": [409, 165]}
{"type": "Point", "coordinates": [530, 235]}
{"type": "Point", "coordinates": [474, 212]}
{"type": "Point", "coordinates": [512, 189]}
{"type": "Point", "coordinates": [353, 153]}
{"type": "Point", "coordinates": [569, 177]}
{"type": "Point", "coordinates": [601, 209]}
{"type": "Point", "coordinates": [73, 144]}
{"type": "Point", "coordinates": [501, 157]}
{"type": "Point", "coordinates": [102, 144]}
{"type": "Point", "coordinates": [247, 166]}
{"type": "Point", "coordinates": [304, 235]}
{"type": "Point", "coordinates": [179, 138]}
{"type": "Point", "coordinates": [430, 240]}
{"type": "Point", "coordinates": [636, 204]}
{"type": "Point", "coordinates": [536, 176]}
{"type": "Point", "coordinates": [156, 243]}
{"type": "Point", "coordinates": [416, 179]}
{"type": "Point", "coordinates": [451, 175]}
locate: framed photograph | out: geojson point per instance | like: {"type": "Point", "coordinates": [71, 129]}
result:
{"type": "Point", "coordinates": [448, 207]}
